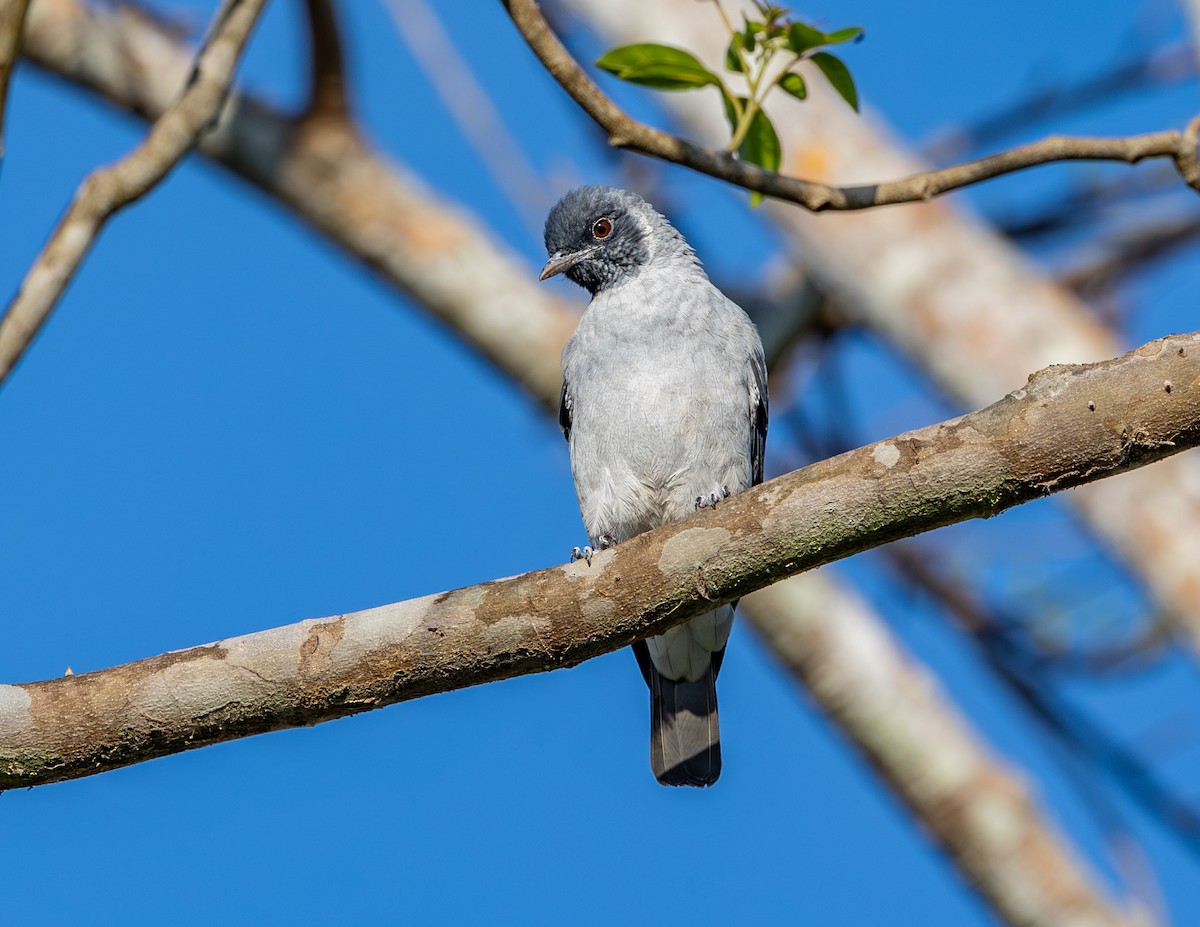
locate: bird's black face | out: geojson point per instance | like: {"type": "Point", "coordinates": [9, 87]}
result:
{"type": "Point", "coordinates": [595, 238]}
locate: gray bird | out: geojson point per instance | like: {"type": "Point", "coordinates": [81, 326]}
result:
{"type": "Point", "coordinates": [664, 406]}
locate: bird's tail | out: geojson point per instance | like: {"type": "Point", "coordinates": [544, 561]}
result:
{"type": "Point", "coordinates": [685, 740]}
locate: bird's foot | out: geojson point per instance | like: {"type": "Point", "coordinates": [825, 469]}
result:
{"type": "Point", "coordinates": [710, 501]}
{"type": "Point", "coordinates": [604, 542]}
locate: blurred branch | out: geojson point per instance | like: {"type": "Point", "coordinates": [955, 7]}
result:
{"type": "Point", "coordinates": [1130, 250]}
{"type": "Point", "coordinates": [1156, 67]}
{"type": "Point", "coordinates": [1083, 203]}
{"type": "Point", "coordinates": [1039, 440]}
{"type": "Point", "coordinates": [1191, 9]}
{"type": "Point", "coordinates": [947, 292]}
{"type": "Point", "coordinates": [377, 213]}
{"type": "Point", "coordinates": [626, 132]}
{"type": "Point", "coordinates": [336, 182]}
{"type": "Point", "coordinates": [1025, 674]}
{"type": "Point", "coordinates": [467, 101]}
{"type": "Point", "coordinates": [327, 77]}
{"type": "Point", "coordinates": [12, 21]}
{"type": "Point", "coordinates": [898, 717]}
{"type": "Point", "coordinates": [109, 189]}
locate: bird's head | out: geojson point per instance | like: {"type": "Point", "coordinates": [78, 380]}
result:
{"type": "Point", "coordinates": [601, 236]}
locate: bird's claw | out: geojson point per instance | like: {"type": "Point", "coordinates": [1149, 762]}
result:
{"type": "Point", "coordinates": [710, 501]}
{"type": "Point", "coordinates": [604, 542]}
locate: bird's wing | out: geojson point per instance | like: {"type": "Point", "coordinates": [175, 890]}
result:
{"type": "Point", "coordinates": [758, 416]}
{"type": "Point", "coordinates": [564, 412]}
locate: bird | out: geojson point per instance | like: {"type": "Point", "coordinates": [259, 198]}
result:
{"type": "Point", "coordinates": [664, 408]}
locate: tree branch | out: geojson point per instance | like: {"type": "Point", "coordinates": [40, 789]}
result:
{"type": "Point", "coordinates": [1144, 68]}
{"type": "Point", "coordinates": [327, 78]}
{"type": "Point", "coordinates": [897, 716]}
{"type": "Point", "coordinates": [626, 132]}
{"type": "Point", "coordinates": [951, 295]}
{"type": "Point", "coordinates": [371, 208]}
{"type": "Point", "coordinates": [12, 22]}
{"type": "Point", "coordinates": [1069, 425]}
{"type": "Point", "coordinates": [110, 189]}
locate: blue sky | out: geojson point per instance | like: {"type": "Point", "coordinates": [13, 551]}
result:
{"type": "Point", "coordinates": [227, 426]}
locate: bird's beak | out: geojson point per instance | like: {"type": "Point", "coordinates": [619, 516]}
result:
{"type": "Point", "coordinates": [563, 260]}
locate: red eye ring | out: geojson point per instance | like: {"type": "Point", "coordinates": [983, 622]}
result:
{"type": "Point", "coordinates": [602, 228]}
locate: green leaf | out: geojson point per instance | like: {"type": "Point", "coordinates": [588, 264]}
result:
{"type": "Point", "coordinates": [802, 38]}
{"type": "Point", "coordinates": [659, 66]}
{"type": "Point", "coordinates": [733, 60]}
{"type": "Point", "coordinates": [752, 31]}
{"type": "Point", "coordinates": [850, 34]}
{"type": "Point", "coordinates": [761, 144]}
{"type": "Point", "coordinates": [793, 84]}
{"type": "Point", "coordinates": [839, 76]}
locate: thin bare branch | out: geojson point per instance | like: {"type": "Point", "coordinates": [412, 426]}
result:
{"type": "Point", "coordinates": [12, 23]}
{"type": "Point", "coordinates": [327, 77]}
{"type": "Point", "coordinates": [1026, 673]}
{"type": "Point", "coordinates": [626, 132]}
{"type": "Point", "coordinates": [1070, 425]}
{"type": "Point", "coordinates": [109, 189]}
{"type": "Point", "coordinates": [1130, 250]}
{"type": "Point", "coordinates": [468, 102]}
{"type": "Point", "coordinates": [377, 213]}
{"type": "Point", "coordinates": [897, 716]}
{"type": "Point", "coordinates": [1148, 68]}
{"type": "Point", "coordinates": [1191, 9]}
{"type": "Point", "coordinates": [332, 179]}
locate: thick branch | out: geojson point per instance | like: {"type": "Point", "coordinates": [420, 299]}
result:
{"type": "Point", "coordinates": [946, 291]}
{"type": "Point", "coordinates": [12, 22]}
{"type": "Point", "coordinates": [109, 189]}
{"type": "Point", "coordinates": [626, 132]}
{"type": "Point", "coordinates": [370, 208]}
{"type": "Point", "coordinates": [1070, 425]}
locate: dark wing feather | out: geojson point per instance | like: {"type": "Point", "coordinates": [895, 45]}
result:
{"type": "Point", "coordinates": [758, 447]}
{"type": "Point", "coordinates": [564, 412]}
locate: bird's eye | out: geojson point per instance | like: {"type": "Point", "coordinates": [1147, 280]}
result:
{"type": "Point", "coordinates": [602, 228]}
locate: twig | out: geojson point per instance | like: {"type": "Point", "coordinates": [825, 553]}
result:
{"type": "Point", "coordinates": [109, 189]}
{"type": "Point", "coordinates": [1156, 67]}
{"type": "Point", "coordinates": [1036, 441]}
{"type": "Point", "coordinates": [327, 77]}
{"type": "Point", "coordinates": [897, 716]}
{"type": "Point", "coordinates": [1130, 250]}
{"type": "Point", "coordinates": [1083, 203]}
{"type": "Point", "coordinates": [1024, 673]}
{"type": "Point", "coordinates": [468, 103]}
{"type": "Point", "coordinates": [331, 178]}
{"type": "Point", "coordinates": [12, 21]}
{"type": "Point", "coordinates": [1192, 9]}
{"type": "Point", "coordinates": [626, 132]}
